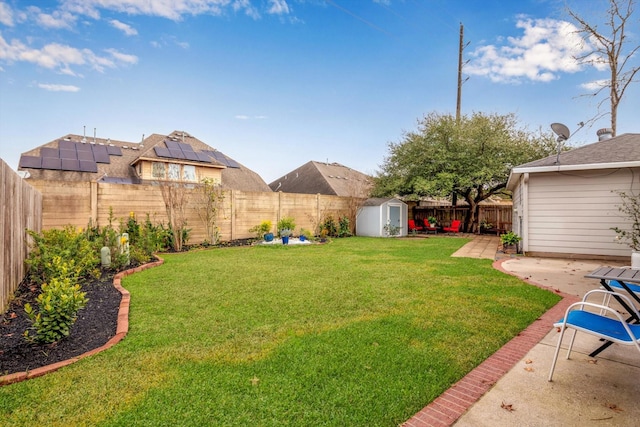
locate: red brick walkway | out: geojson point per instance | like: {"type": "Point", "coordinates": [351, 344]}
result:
{"type": "Point", "coordinates": [448, 407]}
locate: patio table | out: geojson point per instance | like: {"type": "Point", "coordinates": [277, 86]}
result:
{"type": "Point", "coordinates": [621, 275]}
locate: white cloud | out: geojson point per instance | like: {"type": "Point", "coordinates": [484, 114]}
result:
{"type": "Point", "coordinates": [595, 85]}
{"type": "Point", "coordinates": [170, 9]}
{"type": "Point", "coordinates": [123, 57]}
{"type": "Point", "coordinates": [241, 117]}
{"type": "Point", "coordinates": [278, 7]}
{"type": "Point", "coordinates": [58, 88]}
{"type": "Point", "coordinates": [6, 15]}
{"type": "Point", "coordinates": [58, 19]}
{"type": "Point", "coordinates": [60, 57]}
{"type": "Point", "coordinates": [125, 28]}
{"type": "Point", "coordinates": [546, 49]}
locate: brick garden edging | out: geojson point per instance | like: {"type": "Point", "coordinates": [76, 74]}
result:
{"type": "Point", "coordinates": [121, 331]}
{"type": "Point", "coordinates": [445, 410]}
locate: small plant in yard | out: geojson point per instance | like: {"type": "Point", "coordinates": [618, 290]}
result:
{"type": "Point", "coordinates": [71, 246]}
{"type": "Point", "coordinates": [391, 230]}
{"type": "Point", "coordinates": [510, 239]}
{"type": "Point", "coordinates": [286, 223]}
{"type": "Point", "coordinates": [630, 207]}
{"type": "Point", "coordinates": [58, 306]}
{"type": "Point", "coordinates": [261, 229]}
{"type": "Point", "coordinates": [344, 229]}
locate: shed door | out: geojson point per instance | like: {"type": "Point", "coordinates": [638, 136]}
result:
{"type": "Point", "coordinates": [394, 215]}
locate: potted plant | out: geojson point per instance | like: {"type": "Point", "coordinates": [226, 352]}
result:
{"type": "Point", "coordinates": [285, 233]}
{"type": "Point", "coordinates": [432, 221]}
{"type": "Point", "coordinates": [630, 207]}
{"type": "Point", "coordinates": [305, 235]}
{"type": "Point", "coordinates": [510, 241]}
{"type": "Point", "coordinates": [263, 230]}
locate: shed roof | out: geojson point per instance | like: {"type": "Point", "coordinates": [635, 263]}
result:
{"type": "Point", "coordinates": [324, 178]}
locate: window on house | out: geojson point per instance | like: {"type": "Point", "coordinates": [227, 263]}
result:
{"type": "Point", "coordinates": [189, 173]}
{"type": "Point", "coordinates": [173, 173]}
{"type": "Point", "coordinates": [158, 170]}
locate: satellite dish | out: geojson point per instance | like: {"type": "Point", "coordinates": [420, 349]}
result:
{"type": "Point", "coordinates": [561, 130]}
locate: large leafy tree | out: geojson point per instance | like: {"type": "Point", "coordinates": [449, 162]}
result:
{"type": "Point", "coordinates": [470, 159]}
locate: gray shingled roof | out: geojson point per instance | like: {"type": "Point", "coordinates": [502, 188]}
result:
{"type": "Point", "coordinates": [331, 179]}
{"type": "Point", "coordinates": [120, 168]}
{"type": "Point", "coordinates": [622, 148]}
{"type": "Point", "coordinates": [620, 151]}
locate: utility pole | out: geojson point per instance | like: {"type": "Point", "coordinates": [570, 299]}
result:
{"type": "Point", "coordinates": [459, 100]}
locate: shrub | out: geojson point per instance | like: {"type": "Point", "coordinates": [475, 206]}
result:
{"type": "Point", "coordinates": [71, 247]}
{"type": "Point", "coordinates": [261, 229]}
{"type": "Point", "coordinates": [328, 227]}
{"type": "Point", "coordinates": [286, 223]}
{"type": "Point", "coordinates": [57, 310]}
{"type": "Point", "coordinates": [510, 238]}
{"type": "Point", "coordinates": [344, 230]}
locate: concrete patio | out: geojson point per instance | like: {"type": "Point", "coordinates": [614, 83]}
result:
{"type": "Point", "coordinates": [600, 391]}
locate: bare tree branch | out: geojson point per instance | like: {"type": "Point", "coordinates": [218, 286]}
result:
{"type": "Point", "coordinates": [610, 49]}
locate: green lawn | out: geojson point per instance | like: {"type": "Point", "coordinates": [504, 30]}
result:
{"type": "Point", "coordinates": [359, 332]}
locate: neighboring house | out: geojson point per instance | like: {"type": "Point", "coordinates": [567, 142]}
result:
{"type": "Point", "coordinates": [174, 157]}
{"type": "Point", "coordinates": [382, 217]}
{"type": "Point", "coordinates": [565, 205]}
{"type": "Point", "coordinates": [331, 179]}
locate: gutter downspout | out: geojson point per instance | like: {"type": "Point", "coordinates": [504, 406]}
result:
{"type": "Point", "coordinates": [523, 215]}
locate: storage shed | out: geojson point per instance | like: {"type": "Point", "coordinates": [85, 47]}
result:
{"type": "Point", "coordinates": [379, 217]}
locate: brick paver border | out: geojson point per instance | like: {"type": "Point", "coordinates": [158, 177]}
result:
{"type": "Point", "coordinates": [121, 330]}
{"type": "Point", "coordinates": [453, 403]}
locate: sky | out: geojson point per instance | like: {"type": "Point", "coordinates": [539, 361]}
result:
{"type": "Point", "coordinates": [277, 83]}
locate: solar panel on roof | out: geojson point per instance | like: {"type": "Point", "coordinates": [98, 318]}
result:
{"type": "Point", "coordinates": [51, 163]}
{"type": "Point", "coordinates": [162, 152]}
{"type": "Point", "coordinates": [82, 147]}
{"type": "Point", "coordinates": [224, 159]}
{"type": "Point", "coordinates": [230, 162]}
{"type": "Point", "coordinates": [70, 165]}
{"type": "Point", "coordinates": [203, 157]}
{"type": "Point", "coordinates": [85, 155]}
{"type": "Point", "coordinates": [68, 154]}
{"type": "Point", "coordinates": [185, 147]}
{"type": "Point", "coordinates": [50, 152]}
{"type": "Point", "coordinates": [100, 154]}
{"type": "Point", "coordinates": [66, 145]}
{"type": "Point", "coordinates": [33, 162]}
{"type": "Point", "coordinates": [176, 154]}
{"type": "Point", "coordinates": [172, 145]}
{"type": "Point", "coordinates": [113, 150]}
{"type": "Point", "coordinates": [191, 155]}
{"type": "Point", "coordinates": [88, 166]}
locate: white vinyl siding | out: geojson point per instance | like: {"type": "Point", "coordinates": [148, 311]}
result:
{"type": "Point", "coordinates": [573, 212]}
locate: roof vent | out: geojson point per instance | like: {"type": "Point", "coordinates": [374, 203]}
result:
{"type": "Point", "coordinates": [604, 134]}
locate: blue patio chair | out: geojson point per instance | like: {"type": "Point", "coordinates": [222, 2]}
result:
{"type": "Point", "coordinates": [614, 328]}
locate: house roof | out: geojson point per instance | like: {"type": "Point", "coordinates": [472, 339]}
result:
{"type": "Point", "coordinates": [324, 178]}
{"type": "Point", "coordinates": [617, 152]}
{"type": "Point", "coordinates": [77, 158]}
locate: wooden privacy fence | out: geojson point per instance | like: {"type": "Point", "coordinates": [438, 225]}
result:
{"type": "Point", "coordinates": [79, 203]}
{"type": "Point", "coordinates": [21, 210]}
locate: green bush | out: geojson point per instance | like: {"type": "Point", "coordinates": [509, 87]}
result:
{"type": "Point", "coordinates": [57, 310]}
{"type": "Point", "coordinates": [328, 227]}
{"type": "Point", "coordinates": [261, 229]}
{"type": "Point", "coordinates": [73, 248]}
{"type": "Point", "coordinates": [344, 230]}
{"type": "Point", "coordinates": [510, 238]}
{"type": "Point", "coordinates": [286, 223]}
